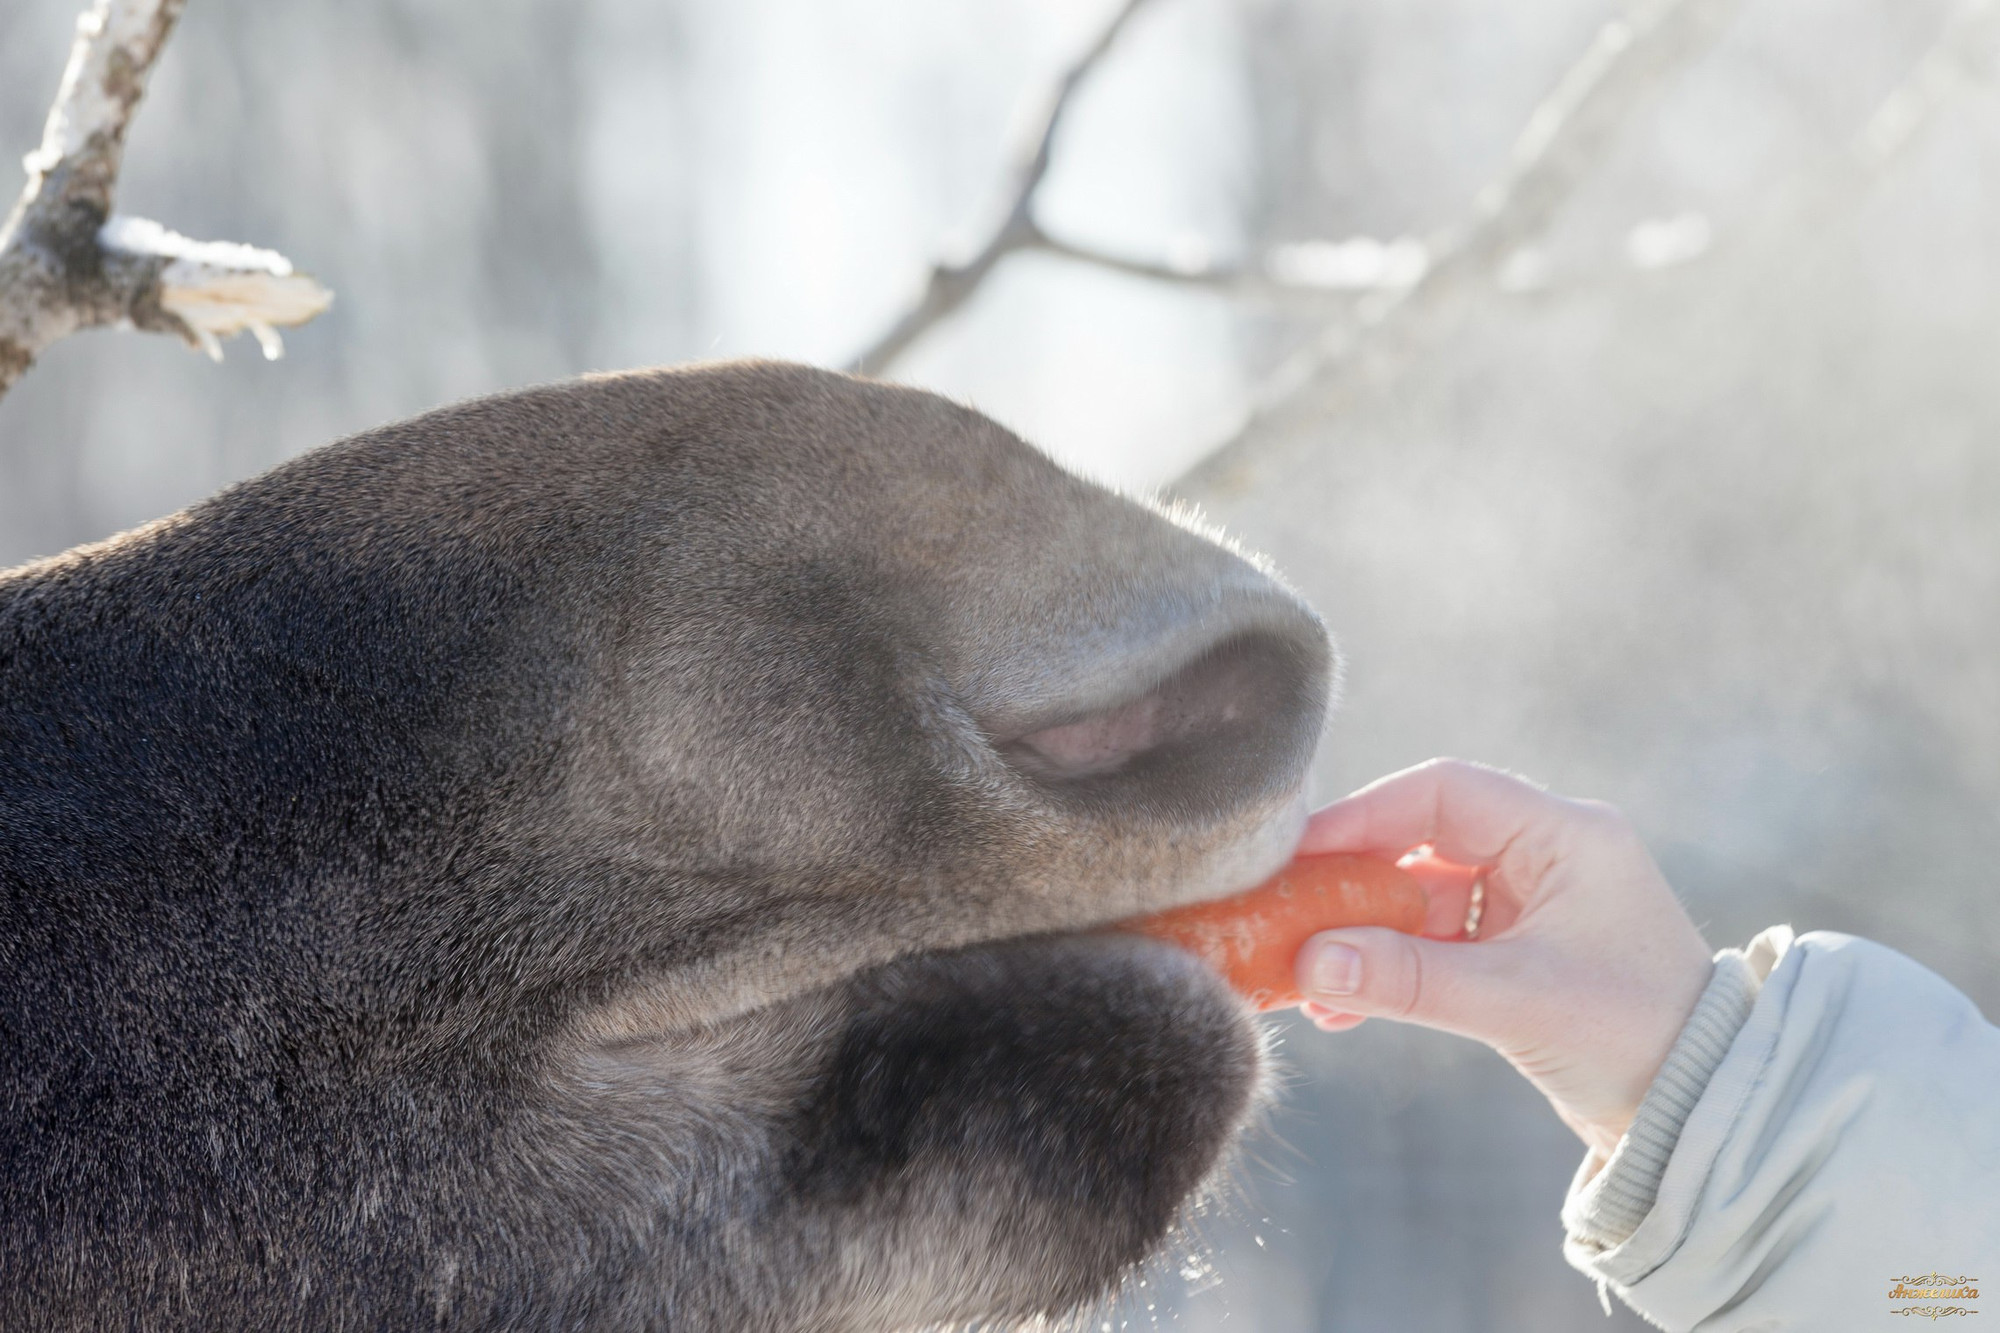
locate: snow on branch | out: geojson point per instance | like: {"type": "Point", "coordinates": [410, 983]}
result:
{"type": "Point", "coordinates": [67, 264]}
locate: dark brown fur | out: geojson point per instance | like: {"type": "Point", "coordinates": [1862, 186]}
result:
{"type": "Point", "coordinates": [596, 857]}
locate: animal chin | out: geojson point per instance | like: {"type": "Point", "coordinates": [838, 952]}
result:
{"type": "Point", "coordinates": [1047, 1107]}
{"type": "Point", "coordinates": [1032, 1117]}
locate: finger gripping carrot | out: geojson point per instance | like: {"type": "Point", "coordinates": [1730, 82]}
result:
{"type": "Point", "coordinates": [1253, 938]}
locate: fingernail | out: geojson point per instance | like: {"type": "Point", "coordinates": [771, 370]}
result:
{"type": "Point", "coordinates": [1335, 969]}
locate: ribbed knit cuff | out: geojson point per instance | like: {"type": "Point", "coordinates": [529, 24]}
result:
{"type": "Point", "coordinates": [1604, 1209]}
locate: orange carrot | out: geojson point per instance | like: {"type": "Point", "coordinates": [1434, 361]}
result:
{"type": "Point", "coordinates": [1252, 938]}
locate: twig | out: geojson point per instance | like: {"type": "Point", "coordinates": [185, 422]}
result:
{"type": "Point", "coordinates": [1957, 59]}
{"type": "Point", "coordinates": [1963, 53]}
{"type": "Point", "coordinates": [1794, 212]}
{"type": "Point", "coordinates": [67, 264]}
{"type": "Point", "coordinates": [950, 284]}
{"type": "Point", "coordinates": [1629, 63]}
{"type": "Point", "coordinates": [1234, 280]}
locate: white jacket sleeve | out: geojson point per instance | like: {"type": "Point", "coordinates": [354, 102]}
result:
{"type": "Point", "coordinates": [1826, 1131]}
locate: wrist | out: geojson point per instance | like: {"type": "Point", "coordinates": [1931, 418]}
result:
{"type": "Point", "coordinates": [1666, 1012]}
{"type": "Point", "coordinates": [1615, 1189]}
{"type": "Point", "coordinates": [1630, 1056]}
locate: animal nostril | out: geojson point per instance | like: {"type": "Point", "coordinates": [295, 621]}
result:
{"type": "Point", "coordinates": [1238, 720]}
{"type": "Point", "coordinates": [1099, 743]}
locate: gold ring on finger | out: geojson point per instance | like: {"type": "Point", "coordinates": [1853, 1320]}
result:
{"type": "Point", "coordinates": [1475, 907]}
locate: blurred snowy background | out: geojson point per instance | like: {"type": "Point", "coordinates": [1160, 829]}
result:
{"type": "Point", "coordinates": [1684, 491]}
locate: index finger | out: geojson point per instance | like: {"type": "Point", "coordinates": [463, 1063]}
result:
{"type": "Point", "coordinates": [1467, 812]}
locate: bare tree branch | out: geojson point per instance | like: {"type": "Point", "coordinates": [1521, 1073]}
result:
{"type": "Point", "coordinates": [1631, 61]}
{"type": "Point", "coordinates": [67, 264]}
{"type": "Point", "coordinates": [1235, 280]}
{"type": "Point", "coordinates": [1794, 212]}
{"type": "Point", "coordinates": [950, 284]}
{"type": "Point", "coordinates": [1963, 53]}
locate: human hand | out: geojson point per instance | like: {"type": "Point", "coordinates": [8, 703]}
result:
{"type": "Point", "coordinates": [1585, 968]}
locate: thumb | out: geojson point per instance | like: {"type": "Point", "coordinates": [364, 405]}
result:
{"type": "Point", "coordinates": [1453, 985]}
